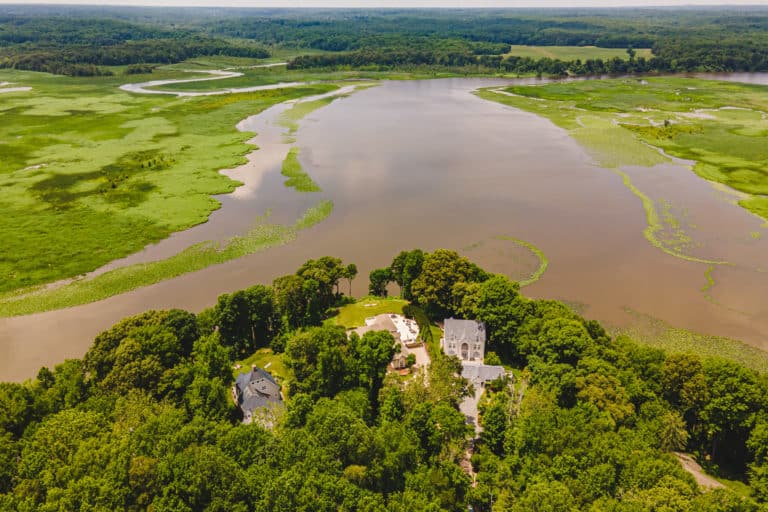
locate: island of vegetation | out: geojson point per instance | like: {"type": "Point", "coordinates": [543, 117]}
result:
{"type": "Point", "coordinates": [583, 421]}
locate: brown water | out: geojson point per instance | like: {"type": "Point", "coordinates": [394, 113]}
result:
{"type": "Point", "coordinates": [427, 164]}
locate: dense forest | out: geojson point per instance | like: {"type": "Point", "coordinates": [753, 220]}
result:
{"type": "Point", "coordinates": [78, 40]}
{"type": "Point", "coordinates": [145, 420]}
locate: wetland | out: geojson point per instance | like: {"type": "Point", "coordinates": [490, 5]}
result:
{"type": "Point", "coordinates": [431, 164]}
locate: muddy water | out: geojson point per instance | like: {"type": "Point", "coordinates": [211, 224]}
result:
{"type": "Point", "coordinates": [427, 164]}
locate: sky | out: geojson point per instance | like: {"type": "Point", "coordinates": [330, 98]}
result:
{"type": "Point", "coordinates": [397, 3]}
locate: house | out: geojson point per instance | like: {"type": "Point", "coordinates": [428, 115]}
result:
{"type": "Point", "coordinates": [255, 390]}
{"type": "Point", "coordinates": [464, 338]}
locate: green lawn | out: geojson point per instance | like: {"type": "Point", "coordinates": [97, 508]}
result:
{"type": "Point", "coordinates": [91, 173]}
{"type": "Point", "coordinates": [568, 53]}
{"type": "Point", "coordinates": [265, 358]}
{"type": "Point", "coordinates": [354, 315]}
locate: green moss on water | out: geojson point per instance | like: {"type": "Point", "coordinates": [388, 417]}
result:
{"type": "Point", "coordinates": [297, 178]}
{"type": "Point", "coordinates": [543, 261]}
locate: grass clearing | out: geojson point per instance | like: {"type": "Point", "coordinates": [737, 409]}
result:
{"type": "Point", "coordinates": [569, 53]}
{"type": "Point", "coordinates": [297, 178]}
{"type": "Point", "coordinates": [124, 279]}
{"type": "Point", "coordinates": [354, 315]}
{"type": "Point", "coordinates": [267, 359]}
{"type": "Point", "coordinates": [93, 173]}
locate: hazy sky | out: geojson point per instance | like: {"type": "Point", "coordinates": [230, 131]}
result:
{"type": "Point", "coordinates": [398, 3]}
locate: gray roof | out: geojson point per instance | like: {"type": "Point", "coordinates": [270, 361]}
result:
{"type": "Point", "coordinates": [256, 389]}
{"type": "Point", "coordinates": [481, 372]}
{"type": "Point", "coordinates": [464, 330]}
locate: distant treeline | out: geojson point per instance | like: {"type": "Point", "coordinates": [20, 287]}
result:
{"type": "Point", "coordinates": [77, 47]}
{"type": "Point", "coordinates": [84, 60]}
{"type": "Point", "coordinates": [700, 58]}
{"type": "Point", "coordinates": [76, 40]}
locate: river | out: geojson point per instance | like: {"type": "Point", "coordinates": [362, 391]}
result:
{"type": "Point", "coordinates": [428, 164]}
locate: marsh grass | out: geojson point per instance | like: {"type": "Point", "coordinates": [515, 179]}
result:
{"type": "Point", "coordinates": [291, 117]}
{"type": "Point", "coordinates": [297, 178]}
{"type": "Point", "coordinates": [721, 126]}
{"type": "Point", "coordinates": [124, 279]}
{"type": "Point", "coordinates": [543, 261]}
{"type": "Point", "coordinates": [657, 333]}
{"type": "Point", "coordinates": [90, 173]}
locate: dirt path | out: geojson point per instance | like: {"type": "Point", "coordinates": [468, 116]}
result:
{"type": "Point", "coordinates": [704, 480]}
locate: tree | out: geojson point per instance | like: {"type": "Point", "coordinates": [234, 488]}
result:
{"type": "Point", "coordinates": [405, 268]}
{"type": "Point", "coordinates": [248, 319]}
{"type": "Point", "coordinates": [350, 273]}
{"type": "Point", "coordinates": [379, 279]}
{"type": "Point", "coordinates": [441, 271]}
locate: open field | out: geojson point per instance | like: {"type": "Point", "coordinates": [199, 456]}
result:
{"type": "Point", "coordinates": [92, 173]}
{"type": "Point", "coordinates": [721, 126]}
{"type": "Point", "coordinates": [568, 53]}
{"type": "Point", "coordinates": [354, 315]}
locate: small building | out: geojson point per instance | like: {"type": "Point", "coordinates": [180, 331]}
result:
{"type": "Point", "coordinates": [255, 390]}
{"type": "Point", "coordinates": [481, 374]}
{"type": "Point", "coordinates": [464, 339]}
{"type": "Point", "coordinates": [400, 361]}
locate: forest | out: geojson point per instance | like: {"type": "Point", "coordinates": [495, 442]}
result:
{"type": "Point", "coordinates": [145, 419]}
{"type": "Point", "coordinates": [81, 40]}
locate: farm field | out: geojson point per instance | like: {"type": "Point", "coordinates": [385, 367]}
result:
{"type": "Point", "coordinates": [568, 53]}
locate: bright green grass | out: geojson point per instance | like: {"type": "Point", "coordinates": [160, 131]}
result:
{"type": "Point", "coordinates": [297, 178]}
{"type": "Point", "coordinates": [354, 315]}
{"type": "Point", "coordinates": [657, 333]}
{"type": "Point", "coordinates": [124, 279]}
{"type": "Point", "coordinates": [90, 174]}
{"type": "Point", "coordinates": [568, 53]}
{"type": "Point", "coordinates": [265, 357]}
{"type": "Point", "coordinates": [543, 261]}
{"type": "Point", "coordinates": [719, 125]}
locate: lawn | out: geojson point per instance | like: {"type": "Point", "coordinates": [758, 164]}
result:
{"type": "Point", "coordinates": [568, 53]}
{"type": "Point", "coordinates": [354, 315]}
{"type": "Point", "coordinates": [90, 173]}
{"type": "Point", "coordinates": [265, 358]}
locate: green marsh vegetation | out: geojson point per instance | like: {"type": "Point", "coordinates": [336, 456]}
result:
{"type": "Point", "coordinates": [297, 177]}
{"type": "Point", "coordinates": [653, 332]}
{"type": "Point", "coordinates": [82, 291]}
{"type": "Point", "coordinates": [91, 173]}
{"type": "Point", "coordinates": [719, 126]}
{"type": "Point", "coordinates": [543, 261]}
